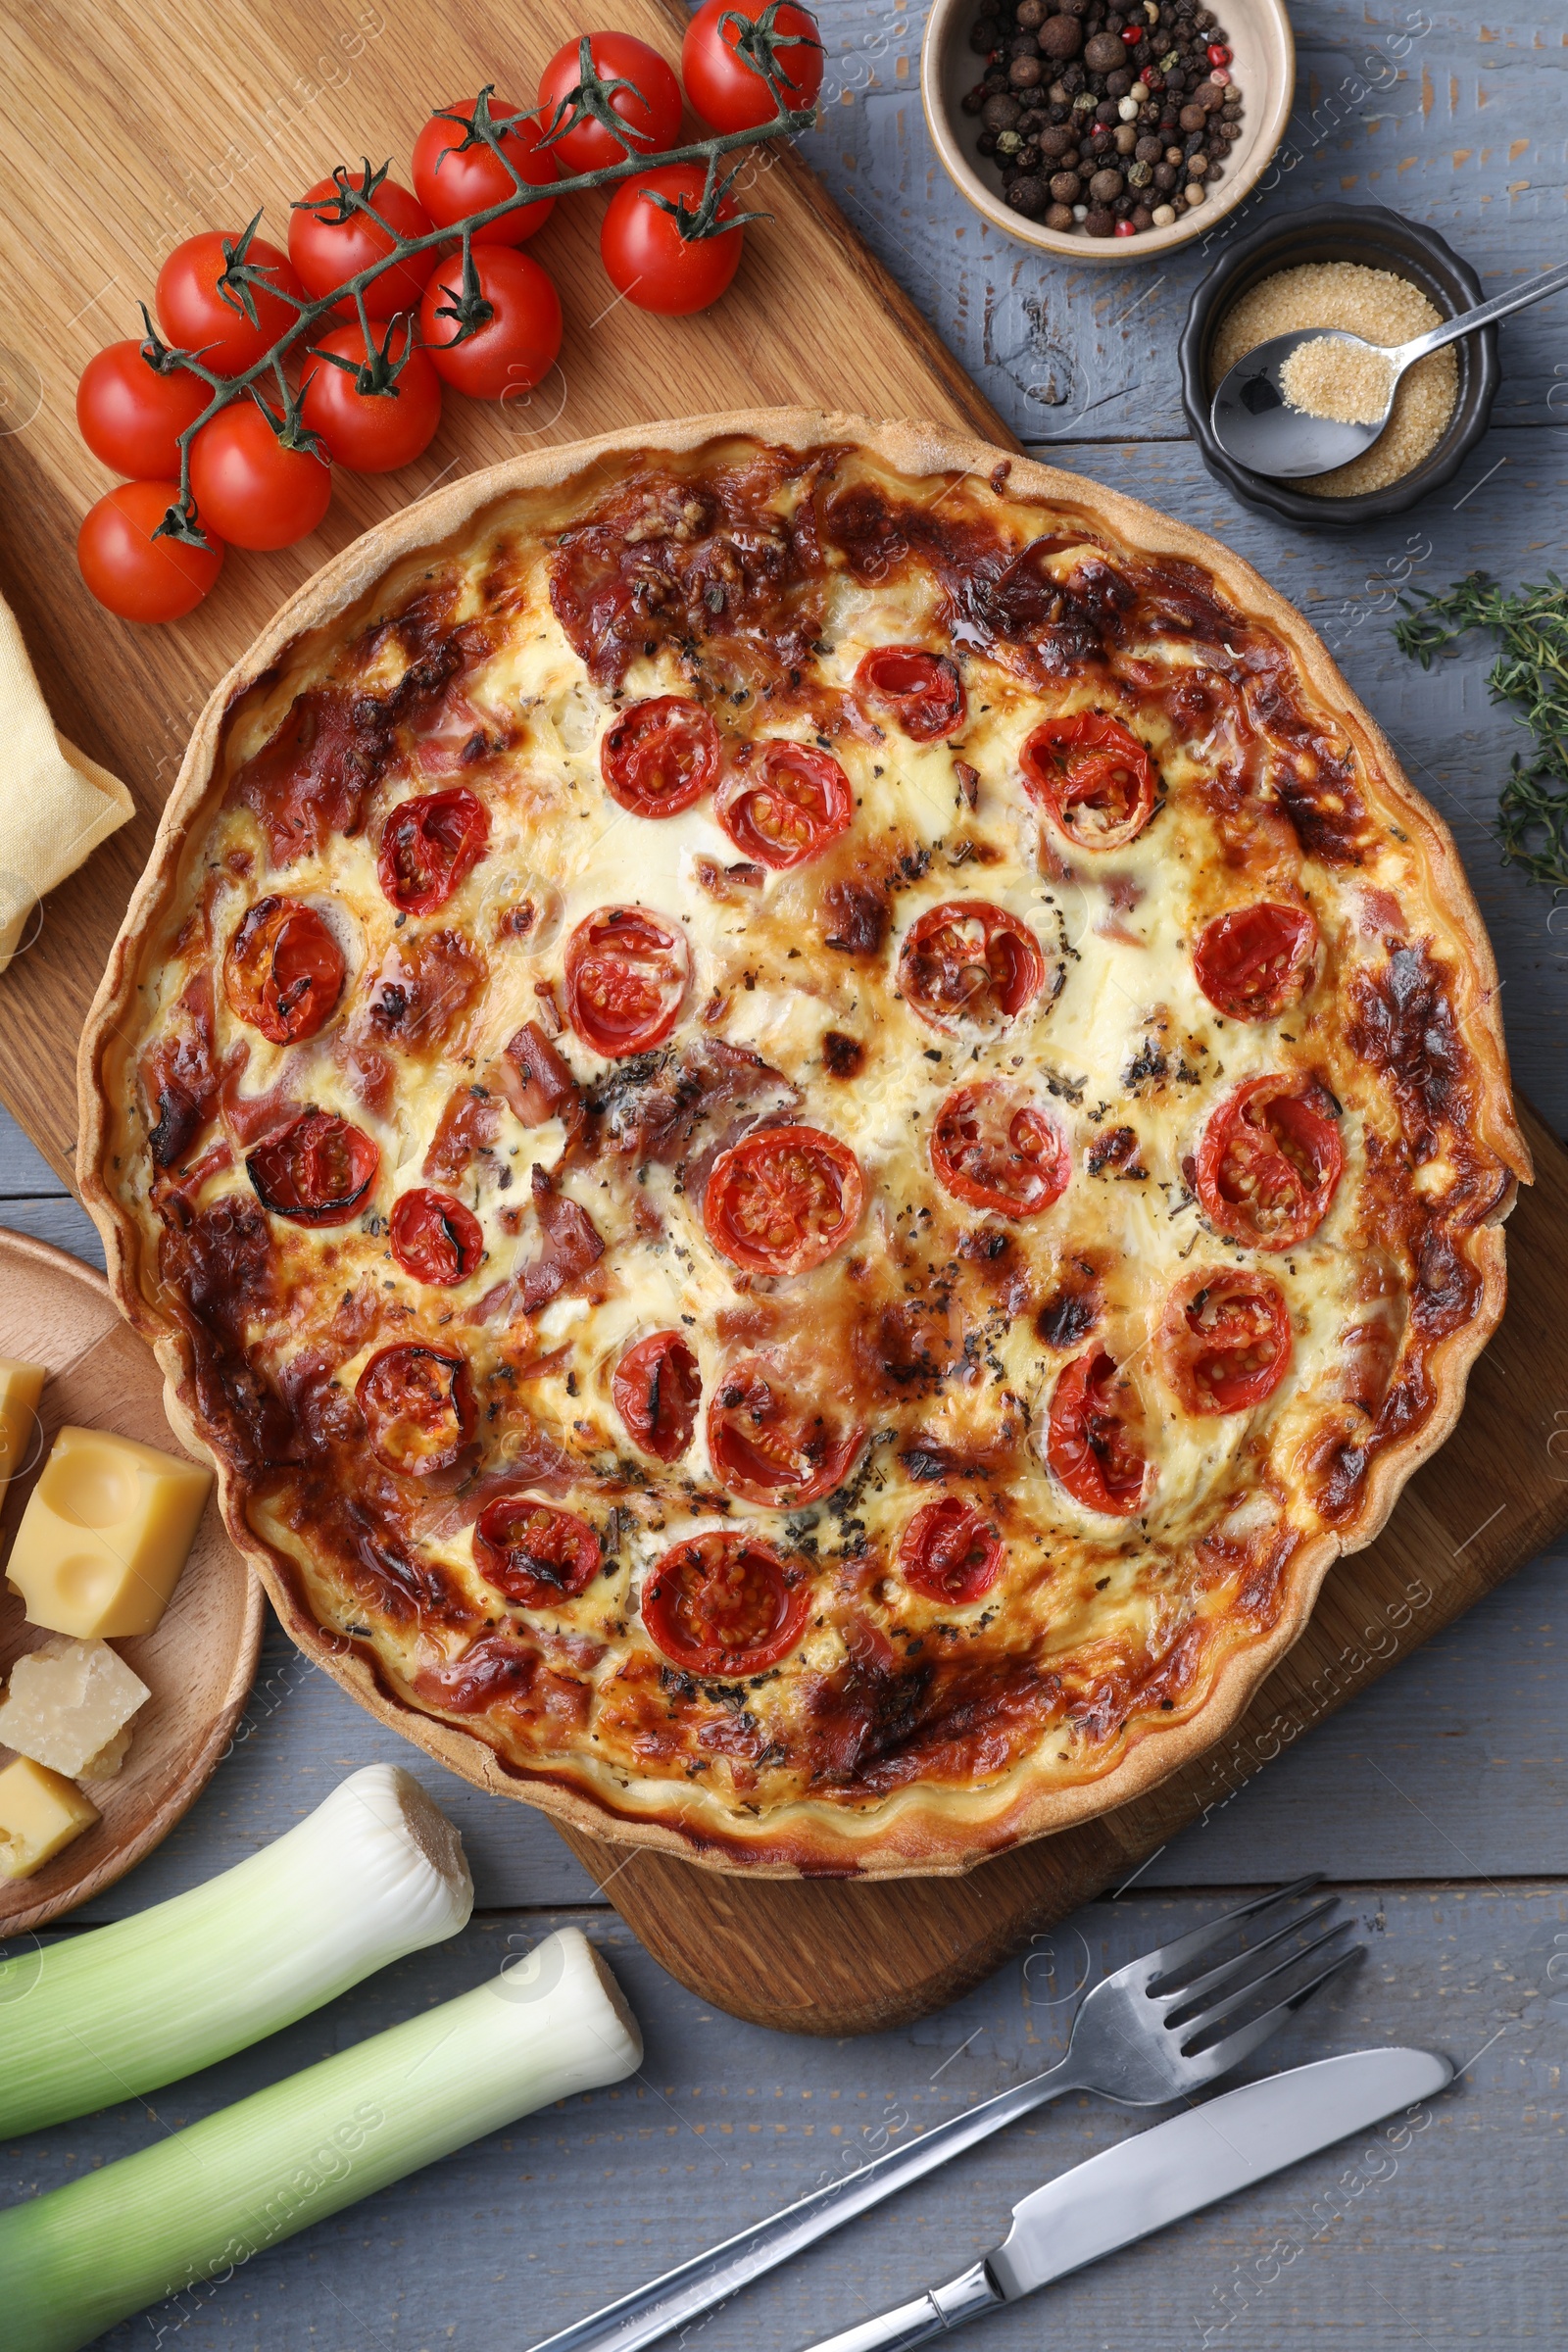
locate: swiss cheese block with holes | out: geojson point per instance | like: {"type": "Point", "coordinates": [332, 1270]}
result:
{"type": "Point", "coordinates": [20, 1386]}
{"type": "Point", "coordinates": [40, 1812]}
{"type": "Point", "coordinates": [105, 1535]}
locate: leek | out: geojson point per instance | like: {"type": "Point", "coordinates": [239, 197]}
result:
{"type": "Point", "coordinates": [192, 2208]}
{"type": "Point", "coordinates": [374, 1872]}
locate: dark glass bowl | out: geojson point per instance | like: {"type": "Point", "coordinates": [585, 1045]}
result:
{"type": "Point", "coordinates": [1378, 241]}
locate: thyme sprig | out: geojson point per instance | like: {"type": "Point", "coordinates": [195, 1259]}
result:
{"type": "Point", "coordinates": [1530, 674]}
{"type": "Point", "coordinates": [355, 192]}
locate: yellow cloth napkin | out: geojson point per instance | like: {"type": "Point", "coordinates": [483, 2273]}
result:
{"type": "Point", "coordinates": [56, 805]}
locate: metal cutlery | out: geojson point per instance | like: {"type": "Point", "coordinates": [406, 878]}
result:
{"type": "Point", "coordinates": [1173, 2169]}
{"type": "Point", "coordinates": [1154, 2031]}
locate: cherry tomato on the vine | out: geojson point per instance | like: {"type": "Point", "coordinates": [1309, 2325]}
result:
{"type": "Point", "coordinates": [729, 93]}
{"type": "Point", "coordinates": [198, 314]}
{"type": "Point", "coordinates": [328, 249]}
{"type": "Point", "coordinates": [131, 416]}
{"type": "Point", "coordinates": [646, 257]}
{"type": "Point", "coordinates": [515, 346]}
{"type": "Point", "coordinates": [248, 487]}
{"type": "Point", "coordinates": [454, 178]}
{"type": "Point", "coordinates": [649, 110]}
{"type": "Point", "coordinates": [131, 571]}
{"type": "Point", "coordinates": [372, 432]}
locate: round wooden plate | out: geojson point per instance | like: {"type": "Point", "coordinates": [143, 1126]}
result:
{"type": "Point", "coordinates": [200, 1661]}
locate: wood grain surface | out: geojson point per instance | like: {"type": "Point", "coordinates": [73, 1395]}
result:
{"type": "Point", "coordinates": [1451, 1769]}
{"type": "Point", "coordinates": [198, 1662]}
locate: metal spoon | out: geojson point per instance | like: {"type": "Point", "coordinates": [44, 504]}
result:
{"type": "Point", "coordinates": [1255, 423]}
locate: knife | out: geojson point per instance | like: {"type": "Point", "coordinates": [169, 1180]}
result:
{"type": "Point", "coordinates": [1159, 2176]}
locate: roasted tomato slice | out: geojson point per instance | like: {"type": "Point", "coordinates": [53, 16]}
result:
{"type": "Point", "coordinates": [314, 1171]}
{"type": "Point", "coordinates": [1226, 1339]}
{"type": "Point", "coordinates": [1093, 776]}
{"type": "Point", "coordinates": [1255, 960]}
{"type": "Point", "coordinates": [768, 1447]}
{"type": "Point", "coordinates": [993, 1148]}
{"type": "Point", "coordinates": [434, 1238]}
{"type": "Point", "coordinates": [783, 1199]}
{"type": "Point", "coordinates": [922, 691]}
{"type": "Point", "coordinates": [725, 1604]}
{"type": "Point", "coordinates": [533, 1553]}
{"type": "Point", "coordinates": [429, 845]}
{"type": "Point", "coordinates": [283, 972]}
{"type": "Point", "coordinates": [660, 756]}
{"type": "Point", "coordinates": [967, 964]}
{"type": "Point", "coordinates": [1092, 1439]}
{"type": "Point", "coordinates": [1269, 1163]}
{"type": "Point", "coordinates": [627, 972]}
{"type": "Point", "coordinates": [785, 803]}
{"type": "Point", "coordinates": [417, 1403]}
{"type": "Point", "coordinates": [950, 1551]}
{"type": "Point", "coordinates": [656, 1388]}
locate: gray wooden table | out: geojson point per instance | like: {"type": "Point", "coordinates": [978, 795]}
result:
{"type": "Point", "coordinates": [1436, 1802]}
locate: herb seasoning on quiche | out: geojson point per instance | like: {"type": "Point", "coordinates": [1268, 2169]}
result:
{"type": "Point", "coordinates": [808, 1118]}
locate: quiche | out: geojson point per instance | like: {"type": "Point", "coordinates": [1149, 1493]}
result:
{"type": "Point", "coordinates": [808, 1118]}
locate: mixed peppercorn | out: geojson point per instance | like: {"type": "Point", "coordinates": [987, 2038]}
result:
{"type": "Point", "coordinates": [1105, 120]}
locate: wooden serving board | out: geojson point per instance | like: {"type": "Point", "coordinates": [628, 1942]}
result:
{"type": "Point", "coordinates": [90, 201]}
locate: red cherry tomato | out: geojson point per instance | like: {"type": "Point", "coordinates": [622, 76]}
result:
{"type": "Point", "coordinates": [950, 1552]}
{"type": "Point", "coordinates": [372, 432]}
{"type": "Point", "coordinates": [532, 1553]}
{"type": "Point", "coordinates": [725, 1604]}
{"type": "Point", "coordinates": [132, 573]}
{"type": "Point", "coordinates": [328, 250]}
{"type": "Point", "coordinates": [646, 258]}
{"type": "Point", "coordinates": [649, 109]}
{"type": "Point", "coordinates": [1092, 1439]}
{"type": "Point", "coordinates": [656, 1388]}
{"type": "Point", "coordinates": [627, 973]}
{"type": "Point", "coordinates": [783, 803]}
{"type": "Point", "coordinates": [197, 314]}
{"type": "Point", "coordinates": [1093, 777]}
{"type": "Point", "coordinates": [283, 972]}
{"type": "Point", "coordinates": [660, 756]}
{"type": "Point", "coordinates": [434, 1238]}
{"type": "Point", "coordinates": [728, 94]}
{"type": "Point", "coordinates": [782, 1201]}
{"type": "Point", "coordinates": [417, 1403]}
{"type": "Point", "coordinates": [968, 965]}
{"type": "Point", "coordinates": [1255, 960]}
{"type": "Point", "coordinates": [770, 1447]}
{"type": "Point", "coordinates": [1269, 1163]}
{"type": "Point", "coordinates": [1225, 1340]}
{"type": "Point", "coordinates": [993, 1148]}
{"type": "Point", "coordinates": [314, 1171]}
{"type": "Point", "coordinates": [516, 347]}
{"type": "Point", "coordinates": [249, 488]}
{"type": "Point", "coordinates": [452, 178]}
{"type": "Point", "coordinates": [922, 691]}
{"type": "Point", "coordinates": [131, 416]}
{"type": "Point", "coordinates": [429, 845]}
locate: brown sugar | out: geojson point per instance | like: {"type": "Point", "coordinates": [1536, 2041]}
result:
{"type": "Point", "coordinates": [1345, 382]}
{"type": "Point", "coordinates": [1381, 307]}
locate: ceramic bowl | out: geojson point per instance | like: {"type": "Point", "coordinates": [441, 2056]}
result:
{"type": "Point", "coordinates": [1379, 240]}
{"type": "Point", "coordinates": [1264, 72]}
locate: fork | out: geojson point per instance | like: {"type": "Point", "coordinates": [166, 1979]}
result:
{"type": "Point", "coordinates": [1152, 2033]}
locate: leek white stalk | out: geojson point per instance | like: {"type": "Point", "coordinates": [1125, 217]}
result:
{"type": "Point", "coordinates": [194, 2207]}
{"type": "Point", "coordinates": [374, 1872]}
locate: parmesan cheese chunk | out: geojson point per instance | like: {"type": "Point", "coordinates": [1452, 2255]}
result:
{"type": "Point", "coordinates": [39, 1814]}
{"type": "Point", "coordinates": [20, 1386]}
{"type": "Point", "coordinates": [105, 1532]}
{"type": "Point", "coordinates": [69, 1704]}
